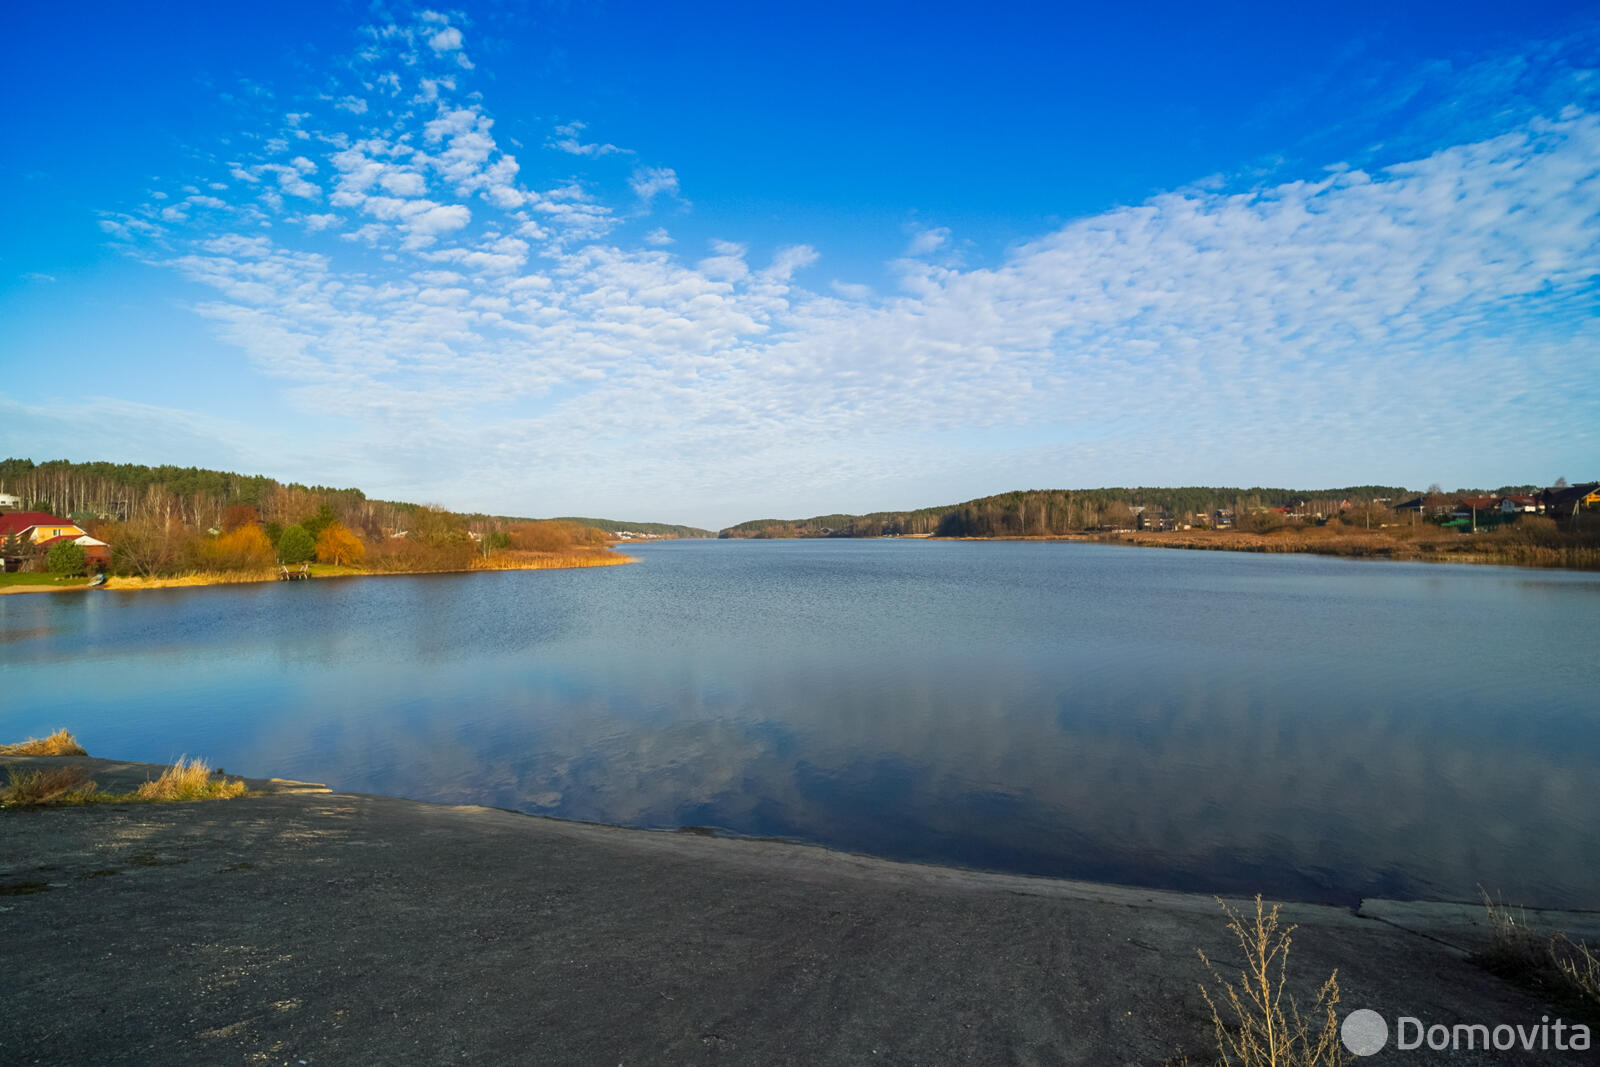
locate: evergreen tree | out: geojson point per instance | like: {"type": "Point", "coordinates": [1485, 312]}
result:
{"type": "Point", "coordinates": [296, 545]}
{"type": "Point", "coordinates": [65, 557]}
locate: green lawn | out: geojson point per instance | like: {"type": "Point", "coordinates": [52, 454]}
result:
{"type": "Point", "coordinates": [39, 579]}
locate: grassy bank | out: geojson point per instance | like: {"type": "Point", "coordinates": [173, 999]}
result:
{"type": "Point", "coordinates": [38, 583]}
{"type": "Point", "coordinates": [508, 560]}
{"type": "Point", "coordinates": [71, 786]}
{"type": "Point", "coordinates": [68, 784]}
{"type": "Point", "coordinates": [1425, 544]}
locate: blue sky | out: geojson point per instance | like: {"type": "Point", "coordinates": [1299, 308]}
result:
{"type": "Point", "coordinates": [723, 262]}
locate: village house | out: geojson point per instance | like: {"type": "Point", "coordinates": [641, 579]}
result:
{"type": "Point", "coordinates": [1472, 512]}
{"type": "Point", "coordinates": [37, 526]}
{"type": "Point", "coordinates": [40, 530]}
{"type": "Point", "coordinates": [1566, 501]}
{"type": "Point", "coordinates": [1518, 504]}
{"type": "Point", "coordinates": [1469, 505]}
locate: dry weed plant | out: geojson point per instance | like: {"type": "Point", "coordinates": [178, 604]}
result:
{"type": "Point", "coordinates": [1553, 963]}
{"type": "Point", "coordinates": [1266, 1028]}
{"type": "Point", "coordinates": [59, 743]}
{"type": "Point", "coordinates": [59, 785]}
{"type": "Point", "coordinates": [188, 780]}
{"type": "Point", "coordinates": [1579, 965]}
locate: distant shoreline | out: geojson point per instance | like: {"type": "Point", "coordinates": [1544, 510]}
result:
{"type": "Point", "coordinates": [125, 584]}
{"type": "Point", "coordinates": [1457, 549]}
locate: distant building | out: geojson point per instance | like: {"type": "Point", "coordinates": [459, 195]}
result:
{"type": "Point", "coordinates": [40, 530]}
{"type": "Point", "coordinates": [9, 502]}
{"type": "Point", "coordinates": [1566, 501]}
{"type": "Point", "coordinates": [36, 527]}
{"type": "Point", "coordinates": [96, 553]}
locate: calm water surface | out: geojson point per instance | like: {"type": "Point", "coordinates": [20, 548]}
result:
{"type": "Point", "coordinates": [1306, 727]}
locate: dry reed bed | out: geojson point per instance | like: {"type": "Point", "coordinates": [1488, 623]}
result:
{"type": "Point", "coordinates": [191, 579]}
{"type": "Point", "coordinates": [514, 560]}
{"type": "Point", "coordinates": [1428, 548]}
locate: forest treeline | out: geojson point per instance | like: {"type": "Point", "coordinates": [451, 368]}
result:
{"type": "Point", "coordinates": [168, 520]}
{"type": "Point", "coordinates": [197, 496]}
{"type": "Point", "coordinates": [1050, 512]}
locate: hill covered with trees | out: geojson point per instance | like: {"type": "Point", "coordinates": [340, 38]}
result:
{"type": "Point", "coordinates": [163, 521]}
{"type": "Point", "coordinates": [199, 497]}
{"type": "Point", "coordinates": [1049, 512]}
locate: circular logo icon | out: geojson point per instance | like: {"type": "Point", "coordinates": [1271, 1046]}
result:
{"type": "Point", "coordinates": [1364, 1032]}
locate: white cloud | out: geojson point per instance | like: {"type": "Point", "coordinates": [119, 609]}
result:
{"type": "Point", "coordinates": [353, 104]}
{"type": "Point", "coordinates": [291, 182]}
{"type": "Point", "coordinates": [650, 182]}
{"type": "Point", "coordinates": [490, 309]}
{"type": "Point", "coordinates": [790, 259]}
{"type": "Point", "coordinates": [437, 218]}
{"type": "Point", "coordinates": [567, 140]}
{"type": "Point", "coordinates": [926, 241]}
{"type": "Point", "coordinates": [446, 40]}
{"type": "Point", "coordinates": [403, 183]}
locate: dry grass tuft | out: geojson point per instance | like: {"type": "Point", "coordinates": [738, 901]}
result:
{"type": "Point", "coordinates": [59, 785]}
{"type": "Point", "coordinates": [1260, 1033]}
{"type": "Point", "coordinates": [1515, 945]}
{"type": "Point", "coordinates": [515, 560]}
{"type": "Point", "coordinates": [59, 743]}
{"type": "Point", "coordinates": [189, 780]}
{"type": "Point", "coordinates": [1579, 965]}
{"type": "Point", "coordinates": [1568, 971]}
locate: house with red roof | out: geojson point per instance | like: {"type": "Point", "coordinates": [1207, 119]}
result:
{"type": "Point", "coordinates": [37, 526]}
{"type": "Point", "coordinates": [39, 530]}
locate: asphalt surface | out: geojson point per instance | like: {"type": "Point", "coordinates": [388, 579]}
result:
{"type": "Point", "coordinates": [320, 928]}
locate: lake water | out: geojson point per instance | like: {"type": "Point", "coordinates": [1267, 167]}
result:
{"type": "Point", "coordinates": [1310, 728]}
